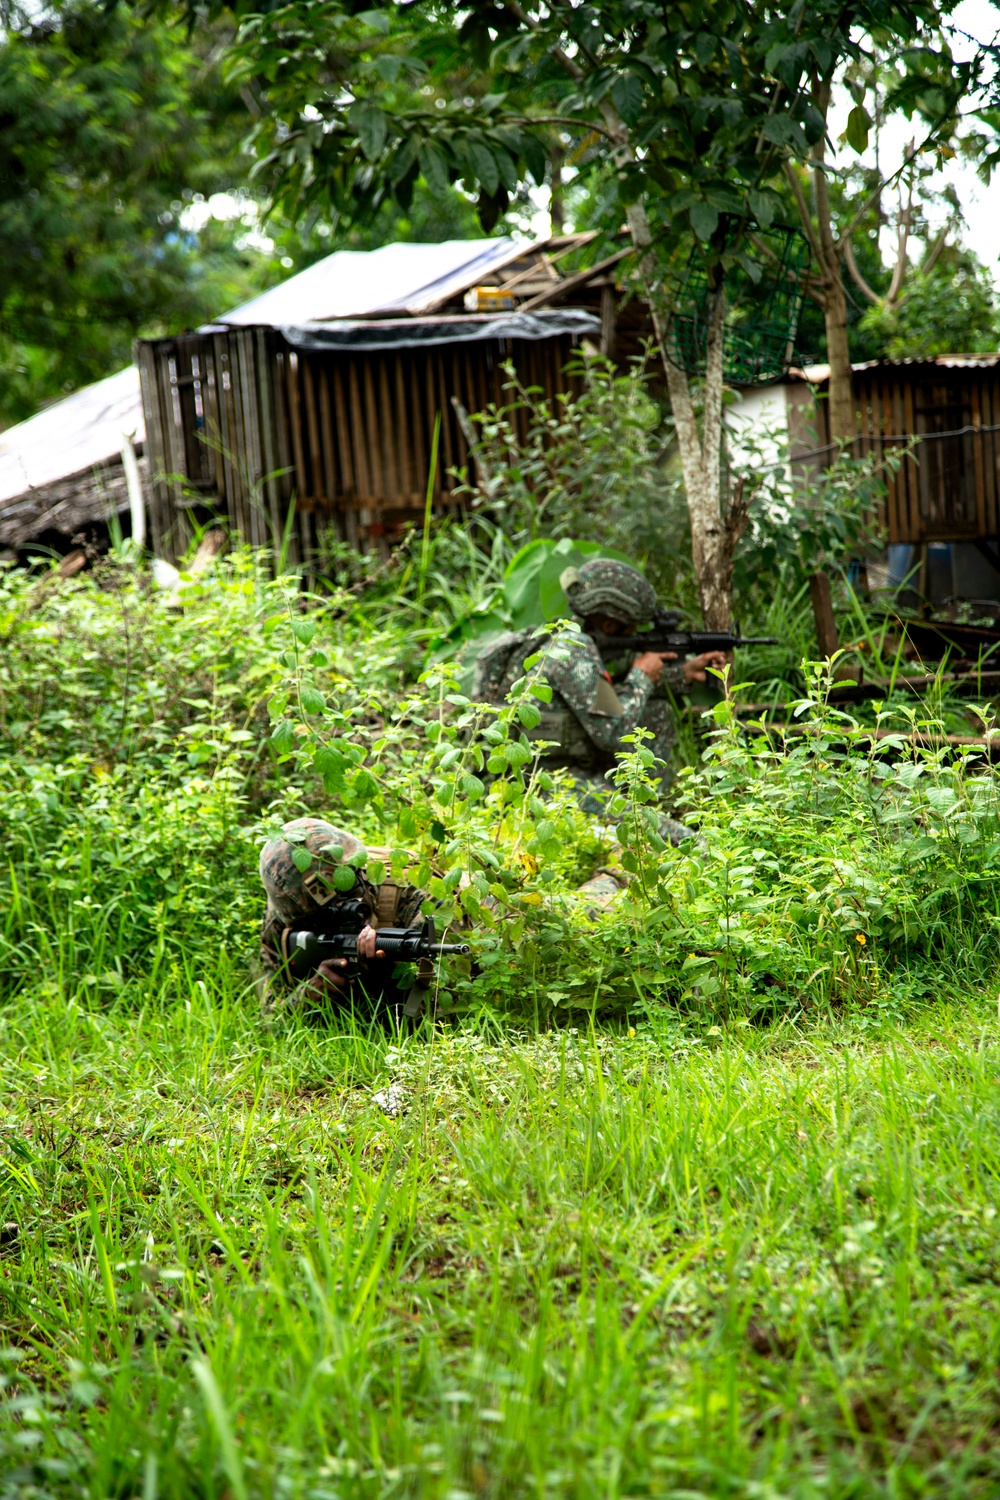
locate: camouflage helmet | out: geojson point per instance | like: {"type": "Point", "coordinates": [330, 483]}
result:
{"type": "Point", "coordinates": [609, 587]}
{"type": "Point", "coordinates": [291, 891]}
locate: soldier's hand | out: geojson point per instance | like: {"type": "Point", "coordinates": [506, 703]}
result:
{"type": "Point", "coordinates": [368, 944]}
{"type": "Point", "coordinates": [695, 669]}
{"type": "Point", "coordinates": [329, 982]}
{"type": "Point", "coordinates": [651, 662]}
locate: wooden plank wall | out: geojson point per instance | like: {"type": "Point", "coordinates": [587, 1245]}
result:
{"type": "Point", "coordinates": [239, 415]}
{"type": "Point", "coordinates": [216, 431]}
{"type": "Point", "coordinates": [948, 486]}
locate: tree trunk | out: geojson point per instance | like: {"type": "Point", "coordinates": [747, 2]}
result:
{"type": "Point", "coordinates": [713, 534]}
{"type": "Point", "coordinates": [557, 193]}
{"type": "Point", "coordinates": [828, 253]}
{"type": "Point", "coordinates": [712, 538]}
{"type": "Point", "coordinates": [841, 409]}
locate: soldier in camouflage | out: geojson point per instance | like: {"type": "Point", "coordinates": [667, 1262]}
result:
{"type": "Point", "coordinates": [591, 710]}
{"type": "Point", "coordinates": [293, 893]}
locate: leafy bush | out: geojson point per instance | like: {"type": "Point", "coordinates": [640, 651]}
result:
{"type": "Point", "coordinates": [590, 466]}
{"type": "Point", "coordinates": [833, 867]}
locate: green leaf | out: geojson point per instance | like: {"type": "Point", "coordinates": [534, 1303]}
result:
{"type": "Point", "coordinates": [434, 166]}
{"type": "Point", "coordinates": [529, 715]}
{"type": "Point", "coordinates": [704, 47]}
{"type": "Point", "coordinates": [704, 220]}
{"type": "Point", "coordinates": [372, 127]}
{"type": "Point", "coordinates": [365, 786]}
{"type": "Point", "coordinates": [301, 859]}
{"type": "Point", "coordinates": [303, 631]}
{"type": "Point", "coordinates": [343, 879]}
{"type": "Point", "coordinates": [626, 94]}
{"type": "Point", "coordinates": [378, 20]}
{"type": "Point", "coordinates": [858, 124]}
{"type": "Point", "coordinates": [331, 765]}
{"type": "Point", "coordinates": [483, 165]}
{"type": "Point", "coordinates": [814, 124]}
{"type": "Point", "coordinates": [784, 132]}
{"type": "Point", "coordinates": [388, 66]}
{"type": "Point", "coordinates": [534, 156]}
{"type": "Point", "coordinates": [283, 737]}
{"type": "Point", "coordinates": [763, 206]}
{"type": "Point", "coordinates": [313, 701]}
{"type": "Point", "coordinates": [472, 787]}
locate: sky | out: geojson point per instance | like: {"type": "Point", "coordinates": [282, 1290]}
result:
{"type": "Point", "coordinates": [981, 204]}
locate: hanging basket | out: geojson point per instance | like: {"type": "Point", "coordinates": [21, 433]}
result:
{"type": "Point", "coordinates": [762, 316]}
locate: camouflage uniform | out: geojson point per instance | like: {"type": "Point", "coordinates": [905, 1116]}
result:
{"type": "Point", "coordinates": [293, 893]}
{"type": "Point", "coordinates": [591, 711]}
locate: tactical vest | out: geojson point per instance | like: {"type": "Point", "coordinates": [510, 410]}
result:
{"type": "Point", "coordinates": [500, 663]}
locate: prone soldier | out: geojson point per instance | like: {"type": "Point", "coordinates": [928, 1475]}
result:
{"type": "Point", "coordinates": [298, 899]}
{"type": "Point", "coordinates": [293, 894]}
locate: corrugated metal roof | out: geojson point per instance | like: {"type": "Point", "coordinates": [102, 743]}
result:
{"type": "Point", "coordinates": [399, 278]}
{"type": "Point", "coordinates": [72, 435]}
{"type": "Point", "coordinates": [816, 374]}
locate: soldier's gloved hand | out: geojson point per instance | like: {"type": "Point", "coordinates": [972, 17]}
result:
{"type": "Point", "coordinates": [694, 670]}
{"type": "Point", "coordinates": [651, 662]}
{"type": "Point", "coordinates": [368, 944]}
{"type": "Point", "coordinates": [329, 981]}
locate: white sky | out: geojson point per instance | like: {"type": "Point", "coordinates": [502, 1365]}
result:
{"type": "Point", "coordinates": [980, 204]}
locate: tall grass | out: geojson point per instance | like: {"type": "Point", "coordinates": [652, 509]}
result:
{"type": "Point", "coordinates": [672, 1263]}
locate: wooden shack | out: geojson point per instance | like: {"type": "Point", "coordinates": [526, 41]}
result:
{"type": "Point", "coordinates": [941, 417]}
{"type": "Point", "coordinates": [338, 418]}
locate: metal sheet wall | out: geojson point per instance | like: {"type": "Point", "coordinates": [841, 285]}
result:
{"type": "Point", "coordinates": [237, 415]}
{"type": "Point", "coordinates": [944, 423]}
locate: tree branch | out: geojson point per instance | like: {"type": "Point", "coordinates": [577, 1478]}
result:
{"type": "Point", "coordinates": [564, 120]}
{"type": "Point", "coordinates": [934, 253]}
{"type": "Point", "coordinates": [873, 198]}
{"type": "Point", "coordinates": [902, 238]}
{"type": "Point", "coordinates": [562, 58]}
{"type": "Point", "coordinates": [852, 266]}
{"type": "Point", "coordinates": [803, 208]}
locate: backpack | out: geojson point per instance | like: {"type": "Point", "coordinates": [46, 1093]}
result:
{"type": "Point", "coordinates": [495, 660]}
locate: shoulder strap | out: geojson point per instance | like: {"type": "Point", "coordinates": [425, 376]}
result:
{"type": "Point", "coordinates": [386, 904]}
{"type": "Point", "coordinates": [387, 892]}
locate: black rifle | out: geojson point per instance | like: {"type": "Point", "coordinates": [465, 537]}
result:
{"type": "Point", "coordinates": [664, 634]}
{"type": "Point", "coordinates": [332, 932]}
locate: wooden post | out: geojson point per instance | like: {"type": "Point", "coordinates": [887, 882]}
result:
{"type": "Point", "coordinates": [822, 603]}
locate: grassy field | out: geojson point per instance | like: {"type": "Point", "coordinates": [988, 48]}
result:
{"type": "Point", "coordinates": [695, 1198]}
{"type": "Point", "coordinates": [661, 1263]}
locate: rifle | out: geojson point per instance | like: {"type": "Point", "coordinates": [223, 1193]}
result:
{"type": "Point", "coordinates": [332, 932]}
{"type": "Point", "coordinates": [665, 634]}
